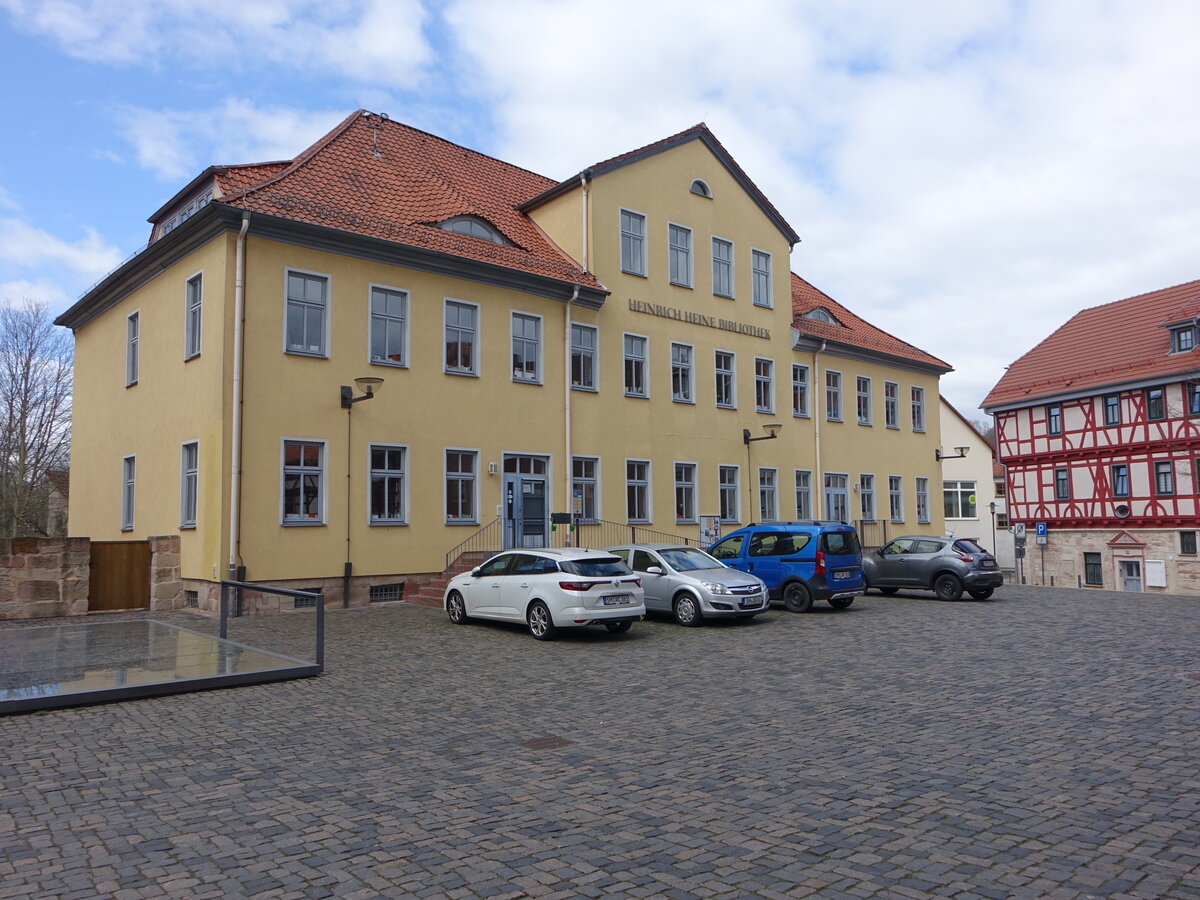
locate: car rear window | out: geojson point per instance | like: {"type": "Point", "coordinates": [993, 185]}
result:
{"type": "Point", "coordinates": [599, 567]}
{"type": "Point", "coordinates": [965, 546]}
{"type": "Point", "coordinates": [840, 543]}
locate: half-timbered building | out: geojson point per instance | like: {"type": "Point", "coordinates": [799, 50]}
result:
{"type": "Point", "coordinates": [1098, 427]}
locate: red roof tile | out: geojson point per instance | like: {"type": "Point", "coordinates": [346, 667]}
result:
{"type": "Point", "coordinates": [853, 331]}
{"type": "Point", "coordinates": [234, 179]}
{"type": "Point", "coordinates": [396, 183]}
{"type": "Point", "coordinates": [1104, 346]}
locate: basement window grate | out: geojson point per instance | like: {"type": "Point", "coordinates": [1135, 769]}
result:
{"type": "Point", "coordinates": [383, 592]}
{"type": "Point", "coordinates": [191, 599]}
{"type": "Point", "coordinates": [306, 602]}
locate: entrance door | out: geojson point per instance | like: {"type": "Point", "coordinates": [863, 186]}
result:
{"type": "Point", "coordinates": [1131, 575]}
{"type": "Point", "coordinates": [526, 518]}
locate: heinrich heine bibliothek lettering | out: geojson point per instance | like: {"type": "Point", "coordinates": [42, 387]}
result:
{"type": "Point", "coordinates": [695, 318]}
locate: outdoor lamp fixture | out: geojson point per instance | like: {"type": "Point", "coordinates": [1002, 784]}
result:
{"type": "Point", "coordinates": [772, 431]}
{"type": "Point", "coordinates": [367, 385]}
{"type": "Point", "coordinates": [959, 454]}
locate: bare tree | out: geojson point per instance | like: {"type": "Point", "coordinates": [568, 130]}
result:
{"type": "Point", "coordinates": [35, 413]}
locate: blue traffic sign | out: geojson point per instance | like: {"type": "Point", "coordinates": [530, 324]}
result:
{"type": "Point", "coordinates": [1041, 529]}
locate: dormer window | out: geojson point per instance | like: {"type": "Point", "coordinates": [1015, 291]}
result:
{"type": "Point", "coordinates": [473, 226]}
{"type": "Point", "coordinates": [1183, 339]}
{"type": "Point", "coordinates": [700, 187]}
{"type": "Point", "coordinates": [193, 205]}
{"type": "Point", "coordinates": [821, 314]}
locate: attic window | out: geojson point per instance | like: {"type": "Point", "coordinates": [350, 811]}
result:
{"type": "Point", "coordinates": [473, 226]}
{"type": "Point", "coordinates": [1183, 339]}
{"type": "Point", "coordinates": [193, 205]}
{"type": "Point", "coordinates": [699, 186]}
{"type": "Point", "coordinates": [821, 314]}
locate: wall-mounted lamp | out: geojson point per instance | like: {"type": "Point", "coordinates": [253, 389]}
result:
{"type": "Point", "coordinates": [959, 454]}
{"type": "Point", "coordinates": [772, 431]}
{"type": "Point", "coordinates": [367, 385]}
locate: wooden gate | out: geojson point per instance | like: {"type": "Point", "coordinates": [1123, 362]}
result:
{"type": "Point", "coordinates": [120, 576]}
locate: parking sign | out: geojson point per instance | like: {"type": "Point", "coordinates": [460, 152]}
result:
{"type": "Point", "coordinates": [1041, 529]}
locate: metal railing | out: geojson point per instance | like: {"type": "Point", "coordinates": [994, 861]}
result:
{"type": "Point", "coordinates": [488, 539]}
{"type": "Point", "coordinates": [235, 588]}
{"type": "Point", "coordinates": [600, 533]}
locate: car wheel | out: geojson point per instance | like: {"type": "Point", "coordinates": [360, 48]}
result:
{"type": "Point", "coordinates": [541, 625]}
{"type": "Point", "coordinates": [456, 608]}
{"type": "Point", "coordinates": [687, 610]}
{"type": "Point", "coordinates": [797, 597]}
{"type": "Point", "coordinates": [887, 592]}
{"type": "Point", "coordinates": [840, 602]}
{"type": "Point", "coordinates": [948, 587]}
{"type": "Point", "coordinates": [980, 593]}
{"type": "Point", "coordinates": [618, 627]}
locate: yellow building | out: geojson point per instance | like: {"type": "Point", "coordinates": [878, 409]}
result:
{"type": "Point", "coordinates": [613, 347]}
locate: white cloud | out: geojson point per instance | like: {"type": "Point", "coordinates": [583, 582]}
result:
{"type": "Point", "coordinates": [44, 290]}
{"type": "Point", "coordinates": [365, 40]}
{"type": "Point", "coordinates": [179, 144]}
{"type": "Point", "coordinates": [23, 245]}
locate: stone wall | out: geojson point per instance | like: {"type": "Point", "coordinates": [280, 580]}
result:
{"type": "Point", "coordinates": [166, 585]}
{"type": "Point", "coordinates": [44, 577]}
{"type": "Point", "coordinates": [1061, 562]}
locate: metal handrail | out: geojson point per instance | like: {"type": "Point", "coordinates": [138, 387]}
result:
{"type": "Point", "coordinates": [480, 541]}
{"type": "Point", "coordinates": [318, 602]}
{"type": "Point", "coordinates": [609, 533]}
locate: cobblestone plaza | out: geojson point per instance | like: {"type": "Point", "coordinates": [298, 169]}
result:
{"type": "Point", "coordinates": [1042, 744]}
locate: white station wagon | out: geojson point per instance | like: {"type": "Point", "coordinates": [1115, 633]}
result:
{"type": "Point", "coordinates": [548, 590]}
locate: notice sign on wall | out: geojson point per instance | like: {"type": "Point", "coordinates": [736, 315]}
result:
{"type": "Point", "coordinates": [1156, 573]}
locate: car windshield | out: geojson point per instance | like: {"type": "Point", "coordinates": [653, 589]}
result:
{"type": "Point", "coordinates": [965, 546]}
{"type": "Point", "coordinates": [688, 559]}
{"type": "Point", "coordinates": [599, 567]}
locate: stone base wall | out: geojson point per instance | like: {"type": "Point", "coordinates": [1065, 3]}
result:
{"type": "Point", "coordinates": [1062, 560]}
{"type": "Point", "coordinates": [208, 593]}
{"type": "Point", "coordinates": [42, 577]}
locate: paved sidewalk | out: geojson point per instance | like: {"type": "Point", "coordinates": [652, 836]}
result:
{"type": "Point", "coordinates": [1043, 744]}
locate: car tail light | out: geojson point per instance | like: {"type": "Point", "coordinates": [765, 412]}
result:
{"type": "Point", "coordinates": [634, 581]}
{"type": "Point", "coordinates": [576, 585]}
{"type": "Point", "coordinates": [965, 557]}
{"type": "Point", "coordinates": [820, 570]}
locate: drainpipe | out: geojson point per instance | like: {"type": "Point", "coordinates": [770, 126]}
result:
{"type": "Point", "coordinates": [235, 452]}
{"type": "Point", "coordinates": [583, 180]}
{"type": "Point", "coordinates": [819, 487]}
{"type": "Point", "coordinates": [567, 405]}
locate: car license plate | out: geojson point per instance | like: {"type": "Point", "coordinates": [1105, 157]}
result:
{"type": "Point", "coordinates": [615, 600]}
{"type": "Point", "coordinates": [841, 576]}
{"type": "Point", "coordinates": [750, 601]}
{"type": "Point", "coordinates": [989, 564]}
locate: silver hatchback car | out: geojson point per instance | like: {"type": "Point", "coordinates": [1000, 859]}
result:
{"type": "Point", "coordinates": [691, 585]}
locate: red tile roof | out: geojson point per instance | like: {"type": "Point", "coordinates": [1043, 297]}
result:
{"type": "Point", "coordinates": [853, 331]}
{"type": "Point", "coordinates": [380, 178]}
{"type": "Point", "coordinates": [1105, 346]}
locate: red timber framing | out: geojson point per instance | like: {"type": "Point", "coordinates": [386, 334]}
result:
{"type": "Point", "coordinates": [1161, 460]}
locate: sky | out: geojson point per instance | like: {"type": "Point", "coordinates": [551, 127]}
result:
{"type": "Point", "coordinates": [964, 174]}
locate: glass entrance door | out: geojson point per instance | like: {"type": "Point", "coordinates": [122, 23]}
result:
{"type": "Point", "coordinates": [526, 516]}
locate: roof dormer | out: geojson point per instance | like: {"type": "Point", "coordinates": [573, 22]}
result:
{"type": "Point", "coordinates": [473, 226]}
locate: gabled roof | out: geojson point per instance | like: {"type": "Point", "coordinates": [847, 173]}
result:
{"type": "Point", "coordinates": [1104, 347]}
{"type": "Point", "coordinates": [853, 332]}
{"type": "Point", "coordinates": [382, 179]}
{"type": "Point", "coordinates": [698, 132]}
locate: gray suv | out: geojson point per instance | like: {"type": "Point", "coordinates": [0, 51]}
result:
{"type": "Point", "coordinates": [945, 565]}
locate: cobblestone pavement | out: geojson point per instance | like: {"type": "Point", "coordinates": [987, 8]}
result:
{"type": "Point", "coordinates": [1045, 743]}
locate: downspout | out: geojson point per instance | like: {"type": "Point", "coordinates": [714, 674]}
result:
{"type": "Point", "coordinates": [235, 451]}
{"type": "Point", "coordinates": [583, 179]}
{"type": "Point", "coordinates": [819, 487]}
{"type": "Point", "coordinates": [569, 473]}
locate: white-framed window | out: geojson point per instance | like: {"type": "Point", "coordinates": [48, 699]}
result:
{"type": "Point", "coordinates": [685, 492]}
{"type": "Point", "coordinates": [918, 409]}
{"type": "Point", "coordinates": [128, 484]}
{"type": "Point", "coordinates": [862, 397]}
{"type": "Point", "coordinates": [633, 243]}
{"type": "Point", "coordinates": [133, 327]}
{"type": "Point", "coordinates": [866, 497]}
{"type": "Point", "coordinates": [389, 326]}
{"type": "Point", "coordinates": [585, 487]}
{"type": "Point", "coordinates": [637, 490]}
{"type": "Point", "coordinates": [923, 500]}
{"type": "Point", "coordinates": [302, 493]}
{"type": "Point", "coordinates": [896, 498]}
{"type": "Point", "coordinates": [584, 340]}
{"type": "Point", "coordinates": [959, 499]}
{"type": "Point", "coordinates": [768, 495]}
{"type": "Point", "coordinates": [1164, 479]}
{"type": "Point", "coordinates": [833, 396]}
{"type": "Point", "coordinates": [764, 385]}
{"type": "Point", "coordinates": [473, 226]}
{"type": "Point", "coordinates": [1183, 339]}
{"type": "Point", "coordinates": [462, 472]}
{"type": "Point", "coordinates": [189, 474]}
{"type": "Point", "coordinates": [760, 274]}
{"type": "Point", "coordinates": [891, 404]}
{"type": "Point", "coordinates": [799, 390]}
{"type": "Point", "coordinates": [725, 375]}
{"type": "Point", "coordinates": [679, 249]}
{"type": "Point", "coordinates": [526, 348]}
{"type": "Point", "coordinates": [837, 496]}
{"type": "Point", "coordinates": [193, 315]}
{"type": "Point", "coordinates": [462, 337]}
{"type": "Point", "coordinates": [306, 319]}
{"type": "Point", "coordinates": [1054, 422]}
{"type": "Point", "coordinates": [389, 487]}
{"type": "Point", "coordinates": [636, 384]}
{"type": "Point", "coordinates": [804, 508]}
{"type": "Point", "coordinates": [681, 373]}
{"type": "Point", "coordinates": [728, 493]}
{"type": "Point", "coordinates": [722, 267]}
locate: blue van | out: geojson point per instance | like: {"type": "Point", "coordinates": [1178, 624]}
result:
{"type": "Point", "coordinates": [800, 561]}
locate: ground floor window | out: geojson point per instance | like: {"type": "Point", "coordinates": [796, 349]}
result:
{"type": "Point", "coordinates": [1187, 542]}
{"type": "Point", "coordinates": [637, 490]}
{"type": "Point", "coordinates": [959, 498]}
{"type": "Point", "coordinates": [387, 485]}
{"type": "Point", "coordinates": [303, 482]}
{"type": "Point", "coordinates": [461, 471]}
{"type": "Point", "coordinates": [923, 500]}
{"type": "Point", "coordinates": [685, 492]}
{"type": "Point", "coordinates": [837, 497]}
{"type": "Point", "coordinates": [896, 498]}
{"type": "Point", "coordinates": [727, 488]}
{"type": "Point", "coordinates": [1093, 573]}
{"type": "Point", "coordinates": [585, 482]}
{"type": "Point", "coordinates": [767, 497]}
{"type": "Point", "coordinates": [803, 494]}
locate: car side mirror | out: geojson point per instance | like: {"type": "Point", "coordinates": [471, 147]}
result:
{"type": "Point", "coordinates": [475, 571]}
{"type": "Point", "coordinates": [654, 570]}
